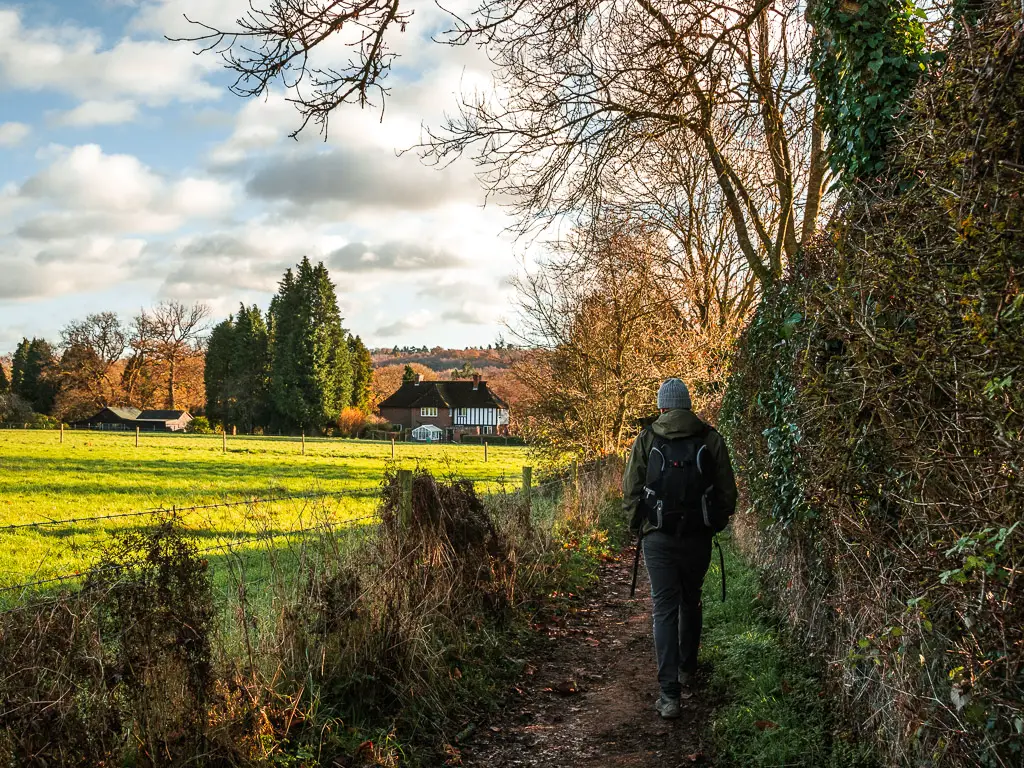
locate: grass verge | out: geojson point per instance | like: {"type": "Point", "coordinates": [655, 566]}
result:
{"type": "Point", "coordinates": [775, 709]}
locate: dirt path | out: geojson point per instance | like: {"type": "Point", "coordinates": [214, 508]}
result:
{"type": "Point", "coordinates": [586, 699]}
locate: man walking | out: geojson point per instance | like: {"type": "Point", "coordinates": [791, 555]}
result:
{"type": "Point", "coordinates": [678, 491]}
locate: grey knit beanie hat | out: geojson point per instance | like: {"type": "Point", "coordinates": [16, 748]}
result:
{"type": "Point", "coordinates": [673, 394]}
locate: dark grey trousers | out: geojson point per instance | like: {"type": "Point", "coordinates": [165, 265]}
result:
{"type": "Point", "coordinates": [677, 567]}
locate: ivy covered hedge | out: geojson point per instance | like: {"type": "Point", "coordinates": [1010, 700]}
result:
{"type": "Point", "coordinates": [876, 412]}
{"type": "Point", "coordinates": [866, 59]}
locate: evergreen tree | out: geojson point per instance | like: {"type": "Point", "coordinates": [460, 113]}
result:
{"type": "Point", "coordinates": [467, 371]}
{"type": "Point", "coordinates": [362, 373]}
{"type": "Point", "coordinates": [408, 374]}
{"type": "Point", "coordinates": [250, 369]}
{"type": "Point", "coordinates": [311, 371]}
{"type": "Point", "coordinates": [31, 377]}
{"type": "Point", "coordinates": [5, 384]}
{"type": "Point", "coordinates": [217, 372]}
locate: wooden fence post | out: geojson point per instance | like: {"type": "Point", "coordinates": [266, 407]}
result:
{"type": "Point", "coordinates": [485, 451]}
{"type": "Point", "coordinates": [405, 496]}
{"type": "Point", "coordinates": [528, 488]}
{"type": "Point", "coordinates": [303, 443]}
{"type": "Point", "coordinates": [392, 448]}
{"type": "Point", "coordinates": [224, 440]}
{"type": "Point", "coordinates": [136, 437]}
{"type": "Point", "coordinates": [62, 433]}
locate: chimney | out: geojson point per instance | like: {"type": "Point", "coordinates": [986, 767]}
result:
{"type": "Point", "coordinates": [419, 379]}
{"type": "Point", "coordinates": [476, 381]}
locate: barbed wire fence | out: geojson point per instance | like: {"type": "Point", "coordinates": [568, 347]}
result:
{"type": "Point", "coordinates": [550, 489]}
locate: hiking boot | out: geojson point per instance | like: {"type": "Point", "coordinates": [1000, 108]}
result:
{"type": "Point", "coordinates": [668, 707]}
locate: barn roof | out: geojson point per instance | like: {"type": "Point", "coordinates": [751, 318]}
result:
{"type": "Point", "coordinates": [127, 412]}
{"type": "Point", "coordinates": [160, 415]}
{"type": "Point", "coordinates": [443, 394]}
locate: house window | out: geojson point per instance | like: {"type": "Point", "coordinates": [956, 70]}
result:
{"type": "Point", "coordinates": [432, 412]}
{"type": "Point", "coordinates": [464, 412]}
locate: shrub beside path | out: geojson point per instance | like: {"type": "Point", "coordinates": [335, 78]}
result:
{"type": "Point", "coordinates": [586, 696]}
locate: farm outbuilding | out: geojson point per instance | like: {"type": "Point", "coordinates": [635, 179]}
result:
{"type": "Point", "coordinates": [127, 417]}
{"type": "Point", "coordinates": [163, 421]}
{"type": "Point", "coordinates": [428, 433]}
{"type": "Point", "coordinates": [112, 417]}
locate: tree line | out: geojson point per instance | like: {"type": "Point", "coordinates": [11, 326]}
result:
{"type": "Point", "coordinates": [297, 368]}
{"type": "Point", "coordinates": [153, 361]}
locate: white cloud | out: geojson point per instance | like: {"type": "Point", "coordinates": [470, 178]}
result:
{"type": "Point", "coordinates": [412, 322]}
{"type": "Point", "coordinates": [85, 191]}
{"type": "Point", "coordinates": [85, 178]}
{"type": "Point", "coordinates": [73, 266]}
{"type": "Point", "coordinates": [91, 113]}
{"type": "Point", "coordinates": [356, 178]}
{"type": "Point", "coordinates": [201, 198]}
{"type": "Point", "coordinates": [259, 124]}
{"type": "Point", "coordinates": [168, 17]}
{"type": "Point", "coordinates": [72, 60]}
{"type": "Point", "coordinates": [394, 256]}
{"type": "Point", "coordinates": [473, 312]}
{"type": "Point", "coordinates": [12, 134]}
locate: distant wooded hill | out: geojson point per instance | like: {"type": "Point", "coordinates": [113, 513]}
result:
{"type": "Point", "coordinates": [445, 360]}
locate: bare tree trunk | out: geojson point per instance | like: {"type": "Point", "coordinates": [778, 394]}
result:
{"type": "Point", "coordinates": [170, 384]}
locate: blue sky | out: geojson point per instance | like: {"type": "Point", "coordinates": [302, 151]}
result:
{"type": "Point", "coordinates": [130, 175]}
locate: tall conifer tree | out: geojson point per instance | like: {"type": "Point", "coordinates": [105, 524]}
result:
{"type": "Point", "coordinates": [31, 377]}
{"type": "Point", "coordinates": [362, 373]}
{"type": "Point", "coordinates": [250, 369]}
{"type": "Point", "coordinates": [310, 372]}
{"type": "Point", "coordinates": [217, 373]}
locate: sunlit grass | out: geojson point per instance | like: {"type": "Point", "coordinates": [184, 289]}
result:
{"type": "Point", "coordinates": [775, 710]}
{"type": "Point", "coordinates": [96, 474]}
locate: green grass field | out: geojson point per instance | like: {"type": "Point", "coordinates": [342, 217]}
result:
{"type": "Point", "coordinates": [95, 474]}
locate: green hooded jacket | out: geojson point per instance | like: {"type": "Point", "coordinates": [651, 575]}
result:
{"type": "Point", "coordinates": [678, 422]}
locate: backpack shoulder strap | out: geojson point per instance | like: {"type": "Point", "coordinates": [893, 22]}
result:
{"type": "Point", "coordinates": [705, 461]}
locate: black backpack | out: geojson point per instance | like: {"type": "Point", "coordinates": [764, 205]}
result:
{"type": "Point", "coordinates": [679, 492]}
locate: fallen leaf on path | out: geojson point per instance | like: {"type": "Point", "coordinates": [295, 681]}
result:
{"type": "Point", "coordinates": [765, 725]}
{"type": "Point", "coordinates": [453, 754]}
{"type": "Point", "coordinates": [695, 757]}
{"type": "Point", "coordinates": [529, 669]}
{"type": "Point", "coordinates": [568, 688]}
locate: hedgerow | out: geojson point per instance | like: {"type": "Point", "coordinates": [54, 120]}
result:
{"type": "Point", "coordinates": [877, 418]}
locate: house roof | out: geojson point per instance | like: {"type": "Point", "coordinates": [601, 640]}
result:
{"type": "Point", "coordinates": [160, 415]}
{"type": "Point", "coordinates": [443, 394]}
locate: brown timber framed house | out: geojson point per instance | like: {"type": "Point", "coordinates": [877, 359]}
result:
{"type": "Point", "coordinates": [457, 407]}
